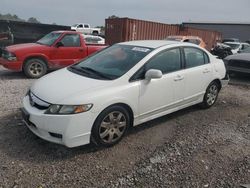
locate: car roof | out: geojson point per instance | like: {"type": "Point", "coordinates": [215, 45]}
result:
{"type": "Point", "coordinates": [232, 42]}
{"type": "Point", "coordinates": [150, 43]}
{"type": "Point", "coordinates": [184, 37]}
{"type": "Point", "coordinates": [94, 36]}
{"type": "Point", "coordinates": [65, 31]}
{"type": "Point", "coordinates": [241, 56]}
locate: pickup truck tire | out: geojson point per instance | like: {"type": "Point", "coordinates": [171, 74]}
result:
{"type": "Point", "coordinates": [35, 68]}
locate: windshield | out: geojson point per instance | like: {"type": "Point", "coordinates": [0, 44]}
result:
{"type": "Point", "coordinates": [246, 50]}
{"type": "Point", "coordinates": [74, 25]}
{"type": "Point", "coordinates": [233, 46]}
{"type": "Point", "coordinates": [112, 62]}
{"type": "Point", "coordinates": [49, 39]}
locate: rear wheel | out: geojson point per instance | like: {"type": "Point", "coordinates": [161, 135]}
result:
{"type": "Point", "coordinates": [110, 126]}
{"type": "Point", "coordinates": [35, 68]}
{"type": "Point", "coordinates": [211, 95]}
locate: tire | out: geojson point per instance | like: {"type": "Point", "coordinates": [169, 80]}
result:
{"type": "Point", "coordinates": [35, 68]}
{"type": "Point", "coordinates": [110, 126]}
{"type": "Point", "coordinates": [211, 95]}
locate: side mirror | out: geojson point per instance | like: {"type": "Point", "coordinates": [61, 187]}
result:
{"type": "Point", "coordinates": [59, 44]}
{"type": "Point", "coordinates": [153, 74]}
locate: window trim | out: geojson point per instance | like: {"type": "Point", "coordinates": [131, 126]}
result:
{"type": "Point", "coordinates": [132, 79]}
{"type": "Point", "coordinates": [203, 52]}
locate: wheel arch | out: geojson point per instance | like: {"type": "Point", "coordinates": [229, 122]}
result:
{"type": "Point", "coordinates": [124, 105]}
{"type": "Point", "coordinates": [217, 81]}
{"type": "Point", "coordinates": [35, 57]}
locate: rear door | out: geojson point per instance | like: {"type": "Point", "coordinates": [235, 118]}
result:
{"type": "Point", "coordinates": [198, 73]}
{"type": "Point", "coordinates": [70, 51]}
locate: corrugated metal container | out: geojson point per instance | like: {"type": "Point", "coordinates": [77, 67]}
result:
{"type": "Point", "coordinates": [126, 29]}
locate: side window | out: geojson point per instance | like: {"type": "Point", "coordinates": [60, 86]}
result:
{"type": "Point", "coordinates": [80, 26]}
{"type": "Point", "coordinates": [244, 46]}
{"type": "Point", "coordinates": [166, 61]}
{"type": "Point", "coordinates": [195, 57]}
{"type": "Point", "coordinates": [71, 40]}
{"type": "Point", "coordinates": [86, 26]}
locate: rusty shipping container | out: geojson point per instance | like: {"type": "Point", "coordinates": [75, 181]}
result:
{"type": "Point", "coordinates": [127, 29]}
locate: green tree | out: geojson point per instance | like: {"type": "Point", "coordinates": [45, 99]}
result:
{"type": "Point", "coordinates": [112, 17]}
{"type": "Point", "coordinates": [33, 20]}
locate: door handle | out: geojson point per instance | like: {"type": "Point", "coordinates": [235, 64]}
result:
{"type": "Point", "coordinates": [206, 71]}
{"type": "Point", "coordinates": [81, 50]}
{"type": "Point", "coordinates": [178, 78]}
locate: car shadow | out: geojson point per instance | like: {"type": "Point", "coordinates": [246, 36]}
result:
{"type": "Point", "coordinates": [6, 74]}
{"type": "Point", "coordinates": [20, 143]}
{"type": "Point", "coordinates": [239, 79]}
{"type": "Point", "coordinates": [11, 75]}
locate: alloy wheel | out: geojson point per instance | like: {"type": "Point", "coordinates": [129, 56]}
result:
{"type": "Point", "coordinates": [212, 94]}
{"type": "Point", "coordinates": [112, 127]}
{"type": "Point", "coordinates": [35, 68]}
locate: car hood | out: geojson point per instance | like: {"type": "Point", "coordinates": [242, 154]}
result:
{"type": "Point", "coordinates": [17, 47]}
{"type": "Point", "coordinates": [242, 56]}
{"type": "Point", "coordinates": [63, 86]}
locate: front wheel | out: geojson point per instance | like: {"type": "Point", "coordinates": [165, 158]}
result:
{"type": "Point", "coordinates": [211, 95]}
{"type": "Point", "coordinates": [35, 68]}
{"type": "Point", "coordinates": [110, 126]}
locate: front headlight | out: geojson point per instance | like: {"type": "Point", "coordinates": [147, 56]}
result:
{"type": "Point", "coordinates": [68, 109]}
{"type": "Point", "coordinates": [10, 56]}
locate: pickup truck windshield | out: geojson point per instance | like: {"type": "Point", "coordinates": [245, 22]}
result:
{"type": "Point", "coordinates": [112, 62]}
{"type": "Point", "coordinates": [49, 39]}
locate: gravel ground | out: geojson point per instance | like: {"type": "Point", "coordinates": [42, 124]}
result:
{"type": "Point", "coordinates": [189, 148]}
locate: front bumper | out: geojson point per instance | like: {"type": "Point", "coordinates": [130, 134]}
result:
{"type": "Point", "coordinates": [69, 130]}
{"type": "Point", "coordinates": [12, 65]}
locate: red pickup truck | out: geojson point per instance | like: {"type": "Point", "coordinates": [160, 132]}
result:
{"type": "Point", "coordinates": [55, 50]}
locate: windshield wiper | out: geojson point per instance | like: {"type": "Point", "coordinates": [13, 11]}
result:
{"type": "Point", "coordinates": [90, 70]}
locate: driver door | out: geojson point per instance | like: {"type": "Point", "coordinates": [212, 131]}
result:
{"type": "Point", "coordinates": [159, 95]}
{"type": "Point", "coordinates": [69, 52]}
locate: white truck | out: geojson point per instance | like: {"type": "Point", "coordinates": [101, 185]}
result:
{"type": "Point", "coordinates": [85, 29]}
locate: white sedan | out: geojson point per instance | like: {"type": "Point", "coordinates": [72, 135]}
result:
{"type": "Point", "coordinates": [92, 39]}
{"type": "Point", "coordinates": [124, 85]}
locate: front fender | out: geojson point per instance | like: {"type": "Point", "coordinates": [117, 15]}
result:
{"type": "Point", "coordinates": [37, 55]}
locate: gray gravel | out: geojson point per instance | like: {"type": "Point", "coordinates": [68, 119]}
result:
{"type": "Point", "coordinates": [190, 148]}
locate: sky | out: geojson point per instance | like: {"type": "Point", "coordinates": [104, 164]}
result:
{"type": "Point", "coordinates": [94, 12]}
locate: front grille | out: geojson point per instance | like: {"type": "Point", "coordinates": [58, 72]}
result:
{"type": "Point", "coordinates": [239, 63]}
{"type": "Point", "coordinates": [37, 102]}
{"type": "Point", "coordinates": [39, 106]}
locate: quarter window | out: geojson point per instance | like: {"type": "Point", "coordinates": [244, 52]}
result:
{"type": "Point", "coordinates": [167, 61]}
{"type": "Point", "coordinates": [195, 57]}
